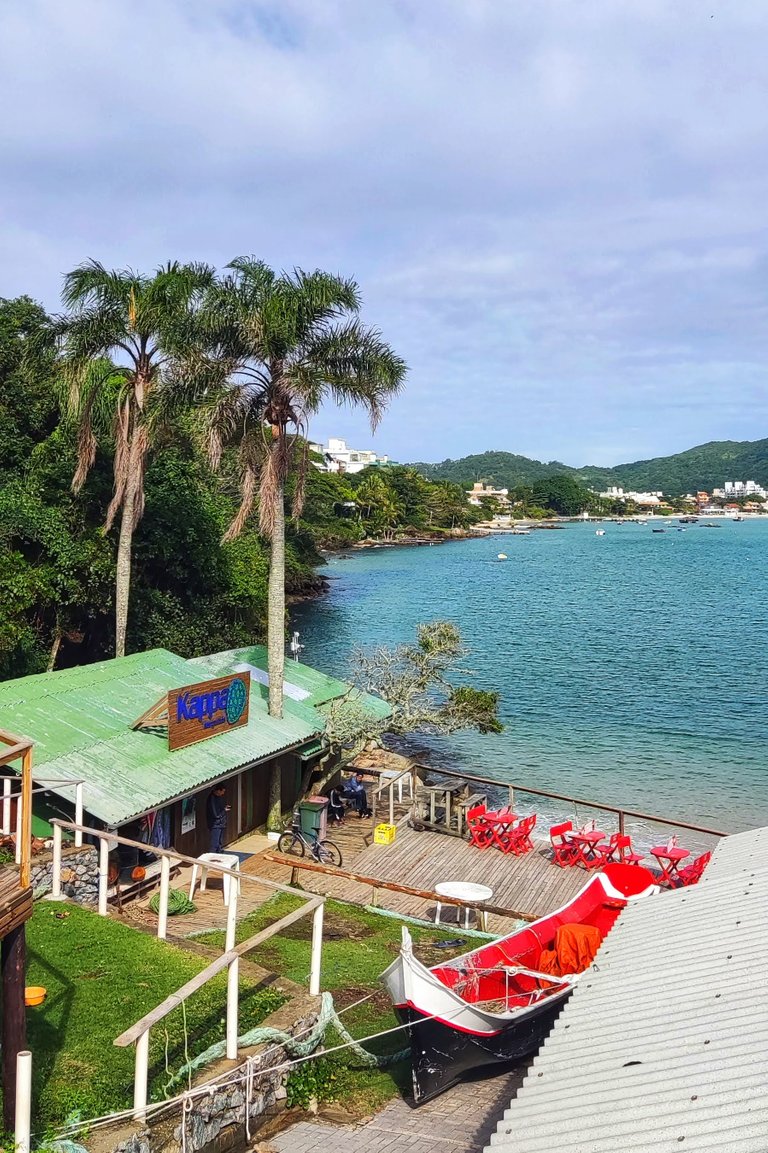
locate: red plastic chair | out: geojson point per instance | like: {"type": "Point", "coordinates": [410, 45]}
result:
{"type": "Point", "coordinates": [619, 849]}
{"type": "Point", "coordinates": [518, 841]}
{"type": "Point", "coordinates": [480, 833]}
{"type": "Point", "coordinates": [692, 873]}
{"type": "Point", "coordinates": [566, 853]}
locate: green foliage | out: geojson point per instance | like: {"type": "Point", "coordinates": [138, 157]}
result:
{"type": "Point", "coordinates": [101, 977]}
{"type": "Point", "coordinates": [321, 1079]}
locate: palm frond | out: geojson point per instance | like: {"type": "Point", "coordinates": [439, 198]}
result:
{"type": "Point", "coordinates": [354, 365]}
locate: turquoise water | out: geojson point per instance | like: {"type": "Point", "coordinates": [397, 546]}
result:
{"type": "Point", "coordinates": [630, 666]}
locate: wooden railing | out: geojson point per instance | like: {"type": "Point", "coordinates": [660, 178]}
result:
{"type": "Point", "coordinates": [387, 787]}
{"type": "Point", "coordinates": [620, 813]}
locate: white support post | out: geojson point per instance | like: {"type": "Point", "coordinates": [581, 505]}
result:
{"type": "Point", "coordinates": [56, 878]}
{"type": "Point", "coordinates": [23, 1131]}
{"type": "Point", "coordinates": [233, 973]}
{"type": "Point", "coordinates": [317, 951]}
{"type": "Point", "coordinates": [19, 807]}
{"type": "Point", "coordinates": [233, 977]}
{"type": "Point", "coordinates": [103, 875]}
{"type": "Point", "coordinates": [391, 803]}
{"type": "Point", "coordinates": [79, 814]}
{"type": "Point", "coordinates": [140, 1077]}
{"type": "Point", "coordinates": [6, 806]}
{"type": "Point", "coordinates": [165, 884]}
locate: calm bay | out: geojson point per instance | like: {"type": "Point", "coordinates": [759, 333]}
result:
{"type": "Point", "coordinates": [630, 665]}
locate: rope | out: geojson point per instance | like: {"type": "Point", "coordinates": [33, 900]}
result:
{"type": "Point", "coordinates": [327, 1019]}
{"type": "Point", "coordinates": [178, 902]}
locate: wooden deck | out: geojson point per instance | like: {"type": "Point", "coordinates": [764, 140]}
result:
{"type": "Point", "coordinates": [15, 901]}
{"type": "Point", "coordinates": [530, 884]}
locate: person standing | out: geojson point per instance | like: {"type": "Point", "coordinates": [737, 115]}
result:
{"type": "Point", "coordinates": [216, 810]}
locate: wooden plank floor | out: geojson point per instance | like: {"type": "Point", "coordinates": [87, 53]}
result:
{"type": "Point", "coordinates": [529, 884]}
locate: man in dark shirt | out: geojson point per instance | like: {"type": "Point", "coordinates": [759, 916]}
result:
{"type": "Point", "coordinates": [216, 810]}
{"type": "Point", "coordinates": [355, 790]}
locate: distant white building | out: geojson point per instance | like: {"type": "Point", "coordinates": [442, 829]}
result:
{"type": "Point", "coordinates": [339, 457]}
{"type": "Point", "coordinates": [736, 489]}
{"type": "Point", "coordinates": [648, 499]}
{"type": "Point", "coordinates": [479, 490]}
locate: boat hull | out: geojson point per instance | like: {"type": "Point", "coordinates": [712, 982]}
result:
{"type": "Point", "coordinates": [441, 1055]}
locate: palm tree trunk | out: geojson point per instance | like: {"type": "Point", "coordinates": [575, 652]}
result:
{"type": "Point", "coordinates": [276, 644]}
{"type": "Point", "coordinates": [125, 544]}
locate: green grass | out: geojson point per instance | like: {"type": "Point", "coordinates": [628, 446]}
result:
{"type": "Point", "coordinates": [357, 947]}
{"type": "Point", "coordinates": [102, 976]}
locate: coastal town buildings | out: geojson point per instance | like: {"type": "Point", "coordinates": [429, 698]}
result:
{"type": "Point", "coordinates": [339, 457]}
{"type": "Point", "coordinates": [480, 491]}
{"type": "Point", "coordinates": [644, 499]}
{"type": "Point", "coordinates": [738, 489]}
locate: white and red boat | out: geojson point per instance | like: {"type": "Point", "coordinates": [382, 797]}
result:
{"type": "Point", "coordinates": [498, 1002]}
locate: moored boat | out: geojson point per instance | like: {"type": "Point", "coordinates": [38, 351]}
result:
{"type": "Point", "coordinates": [497, 1002]}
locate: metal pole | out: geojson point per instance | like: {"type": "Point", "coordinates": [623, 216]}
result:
{"type": "Point", "coordinates": [162, 912]}
{"type": "Point", "coordinates": [103, 876]}
{"type": "Point", "coordinates": [56, 878]}
{"type": "Point", "coordinates": [140, 1077]}
{"type": "Point", "coordinates": [22, 1128]}
{"type": "Point", "coordinates": [79, 814]}
{"type": "Point", "coordinates": [6, 806]}
{"type": "Point", "coordinates": [317, 951]}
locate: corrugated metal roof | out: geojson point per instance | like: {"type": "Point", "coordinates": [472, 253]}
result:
{"type": "Point", "coordinates": [79, 720]}
{"type": "Point", "coordinates": [663, 1046]}
{"type": "Point", "coordinates": [319, 687]}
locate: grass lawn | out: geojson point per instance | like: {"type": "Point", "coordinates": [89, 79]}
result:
{"type": "Point", "coordinates": [357, 947]}
{"type": "Point", "coordinates": [102, 976]}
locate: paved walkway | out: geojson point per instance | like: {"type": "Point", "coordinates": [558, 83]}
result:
{"type": "Point", "coordinates": [459, 1121]}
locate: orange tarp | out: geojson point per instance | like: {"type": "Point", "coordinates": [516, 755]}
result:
{"type": "Point", "coordinates": [575, 949]}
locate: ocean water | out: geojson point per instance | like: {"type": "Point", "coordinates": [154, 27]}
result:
{"type": "Point", "coordinates": [631, 666]}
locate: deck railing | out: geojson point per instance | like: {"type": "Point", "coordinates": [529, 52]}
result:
{"type": "Point", "coordinates": [620, 813]}
{"type": "Point", "coordinates": [386, 788]}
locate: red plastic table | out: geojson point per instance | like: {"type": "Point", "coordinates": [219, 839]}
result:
{"type": "Point", "coordinates": [587, 844]}
{"type": "Point", "coordinates": [501, 825]}
{"type": "Point", "coordinates": [669, 861]}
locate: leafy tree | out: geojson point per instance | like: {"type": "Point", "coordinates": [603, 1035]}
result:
{"type": "Point", "coordinates": [118, 339]}
{"type": "Point", "coordinates": [378, 505]}
{"type": "Point", "coordinates": [418, 683]}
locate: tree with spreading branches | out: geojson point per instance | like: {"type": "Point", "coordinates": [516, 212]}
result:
{"type": "Point", "coordinates": [122, 333]}
{"type": "Point", "coordinates": [276, 346]}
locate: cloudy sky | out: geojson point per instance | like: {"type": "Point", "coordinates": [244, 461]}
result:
{"type": "Point", "coordinates": [556, 209]}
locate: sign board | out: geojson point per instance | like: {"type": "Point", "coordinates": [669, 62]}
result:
{"type": "Point", "coordinates": [208, 709]}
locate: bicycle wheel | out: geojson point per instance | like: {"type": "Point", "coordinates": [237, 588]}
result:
{"type": "Point", "coordinates": [291, 844]}
{"type": "Point", "coordinates": [328, 853]}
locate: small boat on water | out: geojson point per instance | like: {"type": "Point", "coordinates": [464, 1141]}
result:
{"type": "Point", "coordinates": [497, 1002]}
{"type": "Point", "coordinates": [501, 556]}
{"type": "Point", "coordinates": [658, 530]}
{"type": "Point", "coordinates": [599, 532]}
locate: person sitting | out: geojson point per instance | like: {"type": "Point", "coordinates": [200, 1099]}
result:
{"type": "Point", "coordinates": [355, 790]}
{"type": "Point", "coordinates": [336, 808]}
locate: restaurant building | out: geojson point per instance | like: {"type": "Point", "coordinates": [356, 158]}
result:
{"type": "Point", "coordinates": [143, 740]}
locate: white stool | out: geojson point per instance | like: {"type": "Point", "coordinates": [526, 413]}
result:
{"type": "Point", "coordinates": [464, 891]}
{"type": "Point", "coordinates": [204, 862]}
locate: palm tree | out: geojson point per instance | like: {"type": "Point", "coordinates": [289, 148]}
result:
{"type": "Point", "coordinates": [279, 346]}
{"type": "Point", "coordinates": [119, 339]}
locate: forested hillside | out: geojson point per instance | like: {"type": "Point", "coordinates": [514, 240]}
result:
{"type": "Point", "coordinates": [705, 467]}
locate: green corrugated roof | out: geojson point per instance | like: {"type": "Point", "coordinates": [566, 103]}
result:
{"type": "Point", "coordinates": [319, 687]}
{"type": "Point", "coordinates": [79, 720]}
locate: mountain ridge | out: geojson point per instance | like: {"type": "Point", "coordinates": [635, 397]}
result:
{"type": "Point", "coordinates": [705, 466]}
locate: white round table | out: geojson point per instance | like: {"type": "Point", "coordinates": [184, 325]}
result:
{"type": "Point", "coordinates": [464, 891]}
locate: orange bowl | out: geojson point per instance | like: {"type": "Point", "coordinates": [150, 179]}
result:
{"type": "Point", "coordinates": [34, 995]}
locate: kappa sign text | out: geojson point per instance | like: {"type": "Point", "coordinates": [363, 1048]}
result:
{"type": "Point", "coordinates": [208, 709]}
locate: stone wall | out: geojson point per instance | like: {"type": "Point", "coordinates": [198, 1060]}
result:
{"type": "Point", "coordinates": [216, 1120]}
{"type": "Point", "coordinates": [79, 874]}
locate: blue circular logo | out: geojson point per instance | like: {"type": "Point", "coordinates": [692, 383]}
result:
{"type": "Point", "coordinates": [236, 700]}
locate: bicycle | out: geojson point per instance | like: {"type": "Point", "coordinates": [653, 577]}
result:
{"type": "Point", "coordinates": [294, 843]}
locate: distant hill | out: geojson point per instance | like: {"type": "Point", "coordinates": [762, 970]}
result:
{"type": "Point", "coordinates": [707, 466]}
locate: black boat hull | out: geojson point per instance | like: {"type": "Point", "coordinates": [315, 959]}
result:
{"type": "Point", "coordinates": [440, 1055]}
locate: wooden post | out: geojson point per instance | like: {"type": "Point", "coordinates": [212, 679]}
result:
{"type": "Point", "coordinates": [317, 951]}
{"type": "Point", "coordinates": [26, 817]}
{"type": "Point", "coordinates": [162, 912]}
{"type": "Point", "coordinates": [511, 794]}
{"type": "Point", "coordinates": [18, 832]}
{"type": "Point", "coordinates": [621, 822]}
{"type": "Point", "coordinates": [6, 806]}
{"type": "Point", "coordinates": [56, 867]}
{"type": "Point", "coordinates": [391, 803]}
{"type": "Point", "coordinates": [79, 814]}
{"type": "Point", "coordinates": [23, 1127]}
{"type": "Point", "coordinates": [103, 875]}
{"type": "Point", "coordinates": [140, 1075]}
{"type": "Point", "coordinates": [14, 1026]}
